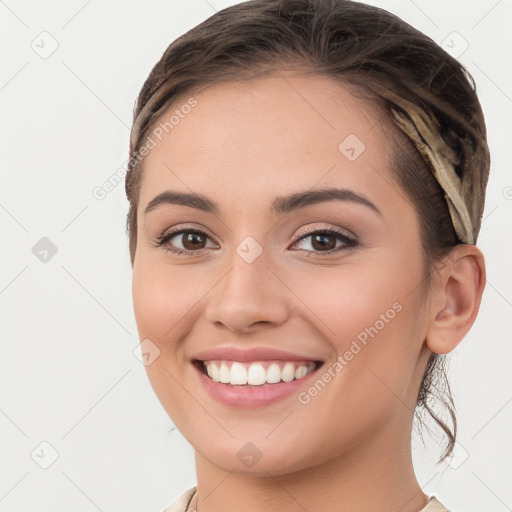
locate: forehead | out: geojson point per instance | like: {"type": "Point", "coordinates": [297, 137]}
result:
{"type": "Point", "coordinates": [261, 135]}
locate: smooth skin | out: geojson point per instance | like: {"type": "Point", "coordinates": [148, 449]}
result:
{"type": "Point", "coordinates": [244, 144]}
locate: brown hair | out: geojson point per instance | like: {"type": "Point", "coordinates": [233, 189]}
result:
{"type": "Point", "coordinates": [374, 53]}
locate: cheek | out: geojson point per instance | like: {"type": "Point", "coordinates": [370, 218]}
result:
{"type": "Point", "coordinates": [162, 298]}
{"type": "Point", "coordinates": [161, 301]}
{"type": "Point", "coordinates": [371, 315]}
{"type": "Point", "coordinates": [354, 299]}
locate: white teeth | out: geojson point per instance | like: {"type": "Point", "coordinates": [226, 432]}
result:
{"type": "Point", "coordinates": [255, 374]}
{"type": "Point", "coordinates": [224, 374]}
{"type": "Point", "coordinates": [273, 373]}
{"type": "Point", "coordinates": [213, 371]}
{"type": "Point", "coordinates": [288, 372]}
{"type": "Point", "coordinates": [238, 374]}
{"type": "Point", "coordinates": [300, 372]}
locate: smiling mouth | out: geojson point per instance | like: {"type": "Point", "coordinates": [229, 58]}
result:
{"type": "Point", "coordinates": [255, 373]}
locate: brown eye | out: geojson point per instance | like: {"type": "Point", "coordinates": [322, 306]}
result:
{"type": "Point", "coordinates": [184, 241]}
{"type": "Point", "coordinates": [326, 241]}
{"type": "Point", "coordinates": [192, 240]}
{"type": "Point", "coordinates": [323, 242]}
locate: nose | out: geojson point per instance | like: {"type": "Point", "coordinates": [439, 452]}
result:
{"type": "Point", "coordinates": [251, 297]}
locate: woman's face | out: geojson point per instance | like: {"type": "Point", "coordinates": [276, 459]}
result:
{"type": "Point", "coordinates": [264, 274]}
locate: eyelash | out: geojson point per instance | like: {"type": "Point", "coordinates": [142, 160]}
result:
{"type": "Point", "coordinates": [350, 243]}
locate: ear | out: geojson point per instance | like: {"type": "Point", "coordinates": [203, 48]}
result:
{"type": "Point", "coordinates": [456, 298]}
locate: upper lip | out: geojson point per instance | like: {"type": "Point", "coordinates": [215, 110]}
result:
{"type": "Point", "coordinates": [250, 354]}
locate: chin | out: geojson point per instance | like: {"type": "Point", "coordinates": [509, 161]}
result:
{"type": "Point", "coordinates": [257, 458]}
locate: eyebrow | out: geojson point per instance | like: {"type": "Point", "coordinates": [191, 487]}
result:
{"type": "Point", "coordinates": [279, 206]}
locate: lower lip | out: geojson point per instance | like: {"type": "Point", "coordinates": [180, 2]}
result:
{"type": "Point", "coordinates": [244, 396]}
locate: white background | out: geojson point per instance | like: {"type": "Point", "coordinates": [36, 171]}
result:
{"type": "Point", "coordinates": [69, 376]}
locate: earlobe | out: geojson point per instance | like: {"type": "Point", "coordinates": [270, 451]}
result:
{"type": "Point", "coordinates": [458, 294]}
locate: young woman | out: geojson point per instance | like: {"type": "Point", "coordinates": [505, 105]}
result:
{"type": "Point", "coordinates": [306, 185]}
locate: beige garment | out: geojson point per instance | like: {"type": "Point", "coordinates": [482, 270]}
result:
{"type": "Point", "coordinates": [181, 504]}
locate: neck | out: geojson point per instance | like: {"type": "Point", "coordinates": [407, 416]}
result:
{"type": "Point", "coordinates": [376, 476]}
